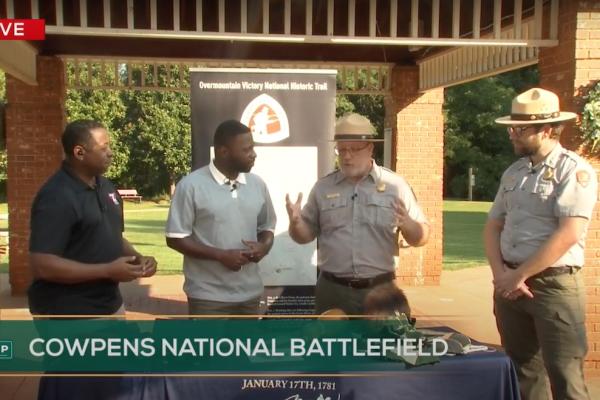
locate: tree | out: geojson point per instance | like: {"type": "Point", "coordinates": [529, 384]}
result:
{"type": "Point", "coordinates": [472, 138]}
{"type": "Point", "coordinates": [105, 106]}
{"type": "Point", "coordinates": [157, 132]}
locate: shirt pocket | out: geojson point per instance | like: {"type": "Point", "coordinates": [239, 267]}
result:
{"type": "Point", "coordinates": [380, 211]}
{"type": "Point", "coordinates": [542, 199]}
{"type": "Point", "coordinates": [509, 194]}
{"type": "Point", "coordinates": [333, 214]}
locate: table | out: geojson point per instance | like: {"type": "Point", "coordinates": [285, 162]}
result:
{"type": "Point", "coordinates": [484, 375]}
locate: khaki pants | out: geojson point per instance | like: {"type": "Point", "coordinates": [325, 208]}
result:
{"type": "Point", "coordinates": [546, 334]}
{"type": "Point", "coordinates": [209, 307]}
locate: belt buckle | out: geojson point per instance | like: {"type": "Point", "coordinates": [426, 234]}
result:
{"type": "Point", "coordinates": [357, 283]}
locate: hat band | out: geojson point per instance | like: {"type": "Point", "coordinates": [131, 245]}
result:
{"type": "Point", "coordinates": [534, 117]}
{"type": "Point", "coordinates": [353, 137]}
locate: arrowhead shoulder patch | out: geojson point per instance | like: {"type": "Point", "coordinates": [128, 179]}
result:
{"type": "Point", "coordinates": [583, 178]}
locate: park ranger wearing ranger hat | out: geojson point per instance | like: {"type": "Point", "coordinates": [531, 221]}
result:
{"type": "Point", "coordinates": [357, 213]}
{"type": "Point", "coordinates": [534, 241]}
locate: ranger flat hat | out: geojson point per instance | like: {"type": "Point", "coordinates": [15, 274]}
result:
{"type": "Point", "coordinates": [354, 127]}
{"type": "Point", "coordinates": [535, 106]}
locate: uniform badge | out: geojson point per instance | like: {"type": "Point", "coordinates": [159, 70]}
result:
{"type": "Point", "coordinates": [583, 178]}
{"type": "Point", "coordinates": [113, 197]}
{"type": "Point", "coordinates": [381, 187]}
{"type": "Point", "coordinates": [548, 174]}
{"type": "Point", "coordinates": [332, 195]}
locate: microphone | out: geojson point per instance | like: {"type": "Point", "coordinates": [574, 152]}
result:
{"type": "Point", "coordinates": [233, 187]}
{"type": "Point", "coordinates": [354, 196]}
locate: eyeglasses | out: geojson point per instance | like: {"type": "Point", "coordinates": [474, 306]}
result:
{"type": "Point", "coordinates": [340, 151]}
{"type": "Point", "coordinates": [518, 131]}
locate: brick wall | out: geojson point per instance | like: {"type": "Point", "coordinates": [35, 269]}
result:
{"type": "Point", "coordinates": [570, 70]}
{"type": "Point", "coordinates": [417, 123]}
{"type": "Point", "coordinates": [34, 121]}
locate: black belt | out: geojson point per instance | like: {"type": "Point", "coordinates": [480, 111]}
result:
{"type": "Point", "coordinates": [359, 283]}
{"type": "Point", "coordinates": [551, 271]}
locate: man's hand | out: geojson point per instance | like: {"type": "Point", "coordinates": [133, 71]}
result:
{"type": "Point", "coordinates": [256, 250]}
{"type": "Point", "coordinates": [149, 265]}
{"type": "Point", "coordinates": [511, 285]}
{"type": "Point", "coordinates": [400, 214]}
{"type": "Point", "coordinates": [124, 269]}
{"type": "Point", "coordinates": [233, 259]}
{"type": "Point", "coordinates": [294, 209]}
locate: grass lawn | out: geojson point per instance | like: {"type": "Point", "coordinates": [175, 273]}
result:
{"type": "Point", "coordinates": [145, 222]}
{"type": "Point", "coordinates": [463, 239]}
{"type": "Point", "coordinates": [145, 229]}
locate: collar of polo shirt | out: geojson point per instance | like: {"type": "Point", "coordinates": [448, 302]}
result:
{"type": "Point", "coordinates": [222, 179]}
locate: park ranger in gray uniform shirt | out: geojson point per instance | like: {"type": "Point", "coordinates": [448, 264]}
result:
{"type": "Point", "coordinates": [534, 240]}
{"type": "Point", "coordinates": [356, 213]}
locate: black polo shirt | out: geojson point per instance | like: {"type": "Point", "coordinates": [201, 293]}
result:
{"type": "Point", "coordinates": [72, 220]}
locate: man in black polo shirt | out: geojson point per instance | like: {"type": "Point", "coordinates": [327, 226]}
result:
{"type": "Point", "coordinates": [77, 250]}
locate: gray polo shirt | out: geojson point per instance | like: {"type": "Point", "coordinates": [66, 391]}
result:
{"type": "Point", "coordinates": [354, 222]}
{"type": "Point", "coordinates": [206, 208]}
{"type": "Point", "coordinates": [532, 199]}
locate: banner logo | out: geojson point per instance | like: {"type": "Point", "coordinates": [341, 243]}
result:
{"type": "Point", "coordinates": [266, 119]}
{"type": "Point", "coordinates": [22, 29]}
{"type": "Point", "coordinates": [6, 349]}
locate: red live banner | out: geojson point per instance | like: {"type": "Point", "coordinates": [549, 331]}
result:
{"type": "Point", "coordinates": [22, 29]}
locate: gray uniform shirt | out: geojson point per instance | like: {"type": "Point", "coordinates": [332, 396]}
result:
{"type": "Point", "coordinates": [354, 223]}
{"type": "Point", "coordinates": [531, 199]}
{"type": "Point", "coordinates": [206, 208]}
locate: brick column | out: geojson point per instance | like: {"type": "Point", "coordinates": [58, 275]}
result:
{"type": "Point", "coordinates": [35, 119]}
{"type": "Point", "coordinates": [570, 70]}
{"type": "Point", "coordinates": [418, 130]}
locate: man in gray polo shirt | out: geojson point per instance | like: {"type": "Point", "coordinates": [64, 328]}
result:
{"type": "Point", "coordinates": [222, 220]}
{"type": "Point", "coordinates": [534, 240]}
{"type": "Point", "coordinates": [357, 213]}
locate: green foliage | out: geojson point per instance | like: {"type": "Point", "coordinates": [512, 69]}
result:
{"type": "Point", "coordinates": [151, 138]}
{"type": "Point", "coordinates": [472, 138]}
{"type": "Point", "coordinates": [158, 135]}
{"type": "Point", "coordinates": [590, 121]}
{"type": "Point", "coordinates": [105, 106]}
{"type": "Point", "coordinates": [2, 88]}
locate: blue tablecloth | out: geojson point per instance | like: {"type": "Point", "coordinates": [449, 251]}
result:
{"type": "Point", "coordinates": [485, 375]}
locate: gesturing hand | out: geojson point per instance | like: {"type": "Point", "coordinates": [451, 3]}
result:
{"type": "Point", "coordinates": [400, 214]}
{"type": "Point", "coordinates": [293, 209]}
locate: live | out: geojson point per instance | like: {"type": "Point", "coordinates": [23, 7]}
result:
{"type": "Point", "coordinates": [17, 29]}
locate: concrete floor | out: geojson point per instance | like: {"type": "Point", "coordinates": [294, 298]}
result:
{"type": "Point", "coordinates": [463, 301]}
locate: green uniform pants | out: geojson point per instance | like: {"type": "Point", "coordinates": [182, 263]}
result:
{"type": "Point", "coordinates": [546, 334]}
{"type": "Point", "coordinates": [330, 295]}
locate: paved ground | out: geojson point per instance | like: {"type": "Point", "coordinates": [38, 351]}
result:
{"type": "Point", "coordinates": [463, 301]}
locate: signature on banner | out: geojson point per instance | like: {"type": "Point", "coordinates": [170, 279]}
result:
{"type": "Point", "coordinates": [321, 397]}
